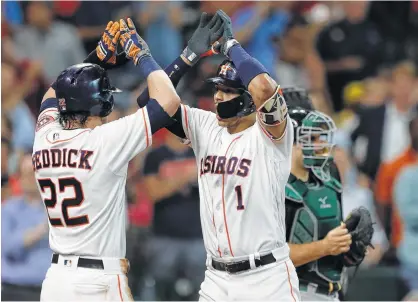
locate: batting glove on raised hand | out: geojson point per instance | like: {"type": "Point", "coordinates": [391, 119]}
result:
{"type": "Point", "coordinates": [227, 40]}
{"type": "Point", "coordinates": [106, 47]}
{"type": "Point", "coordinates": [204, 37]}
{"type": "Point", "coordinates": [134, 46]}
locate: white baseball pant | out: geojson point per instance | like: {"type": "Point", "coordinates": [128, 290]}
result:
{"type": "Point", "coordinates": [273, 282]}
{"type": "Point", "coordinates": [65, 281]}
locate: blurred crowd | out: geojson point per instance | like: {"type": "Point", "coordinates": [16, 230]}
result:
{"type": "Point", "coordinates": [358, 60]}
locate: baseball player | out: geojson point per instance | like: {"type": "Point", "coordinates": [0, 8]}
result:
{"type": "Point", "coordinates": [241, 150]}
{"type": "Point", "coordinates": [81, 163]}
{"type": "Point", "coordinates": [320, 244]}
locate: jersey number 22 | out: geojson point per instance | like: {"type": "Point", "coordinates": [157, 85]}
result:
{"type": "Point", "coordinates": [76, 201]}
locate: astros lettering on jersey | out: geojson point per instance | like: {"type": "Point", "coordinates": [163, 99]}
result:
{"type": "Point", "coordinates": [242, 178]}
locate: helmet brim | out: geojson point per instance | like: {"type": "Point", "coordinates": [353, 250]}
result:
{"type": "Point", "coordinates": [114, 90]}
{"type": "Point", "coordinates": [227, 83]}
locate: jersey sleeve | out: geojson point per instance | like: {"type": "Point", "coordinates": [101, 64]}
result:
{"type": "Point", "coordinates": [48, 116]}
{"type": "Point", "coordinates": [282, 147]}
{"type": "Point", "coordinates": [123, 139]}
{"type": "Point", "coordinates": [198, 125]}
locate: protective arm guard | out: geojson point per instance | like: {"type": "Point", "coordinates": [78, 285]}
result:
{"type": "Point", "coordinates": [274, 111]}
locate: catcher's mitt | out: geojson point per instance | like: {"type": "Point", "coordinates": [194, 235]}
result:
{"type": "Point", "coordinates": [359, 224]}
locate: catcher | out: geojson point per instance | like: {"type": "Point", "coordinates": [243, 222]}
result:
{"type": "Point", "coordinates": [321, 246]}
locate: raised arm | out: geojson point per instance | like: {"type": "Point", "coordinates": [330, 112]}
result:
{"type": "Point", "coordinates": [104, 55]}
{"type": "Point", "coordinates": [175, 72]}
{"type": "Point", "coordinates": [266, 93]}
{"type": "Point", "coordinates": [160, 88]}
{"type": "Point", "coordinates": [199, 45]}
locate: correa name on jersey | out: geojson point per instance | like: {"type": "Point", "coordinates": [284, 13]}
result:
{"type": "Point", "coordinates": [56, 158]}
{"type": "Point", "coordinates": [223, 165]}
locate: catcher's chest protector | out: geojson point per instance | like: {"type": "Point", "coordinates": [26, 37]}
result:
{"type": "Point", "coordinates": [320, 211]}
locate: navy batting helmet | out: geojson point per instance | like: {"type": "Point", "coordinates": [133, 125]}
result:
{"type": "Point", "coordinates": [85, 88]}
{"type": "Point", "coordinates": [240, 106]}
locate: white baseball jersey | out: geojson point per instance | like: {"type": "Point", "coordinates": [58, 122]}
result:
{"type": "Point", "coordinates": [81, 175]}
{"type": "Point", "coordinates": [242, 181]}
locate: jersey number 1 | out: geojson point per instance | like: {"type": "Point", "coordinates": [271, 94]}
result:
{"type": "Point", "coordinates": [76, 201]}
{"type": "Point", "coordinates": [238, 190]}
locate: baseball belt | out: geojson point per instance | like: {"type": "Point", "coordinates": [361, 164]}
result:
{"type": "Point", "coordinates": [83, 262]}
{"type": "Point", "coordinates": [244, 265]}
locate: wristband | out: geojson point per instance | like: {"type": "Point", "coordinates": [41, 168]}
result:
{"type": "Point", "coordinates": [227, 46]}
{"type": "Point", "coordinates": [92, 58]}
{"type": "Point", "coordinates": [175, 72]}
{"type": "Point", "coordinates": [190, 55]}
{"type": "Point", "coordinates": [147, 65]}
{"type": "Point", "coordinates": [248, 67]}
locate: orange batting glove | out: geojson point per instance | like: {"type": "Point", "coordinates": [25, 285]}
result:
{"type": "Point", "coordinates": [106, 48]}
{"type": "Point", "coordinates": [134, 46]}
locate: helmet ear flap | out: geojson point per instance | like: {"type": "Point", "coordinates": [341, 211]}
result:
{"type": "Point", "coordinates": [107, 105]}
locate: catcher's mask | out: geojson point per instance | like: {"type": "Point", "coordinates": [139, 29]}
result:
{"type": "Point", "coordinates": [239, 106]}
{"type": "Point", "coordinates": [85, 88]}
{"type": "Point", "coordinates": [314, 132]}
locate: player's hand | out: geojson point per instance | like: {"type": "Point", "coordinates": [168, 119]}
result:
{"type": "Point", "coordinates": [207, 33]}
{"type": "Point", "coordinates": [227, 40]}
{"type": "Point", "coordinates": [337, 241]}
{"type": "Point", "coordinates": [227, 34]}
{"type": "Point", "coordinates": [106, 47]}
{"type": "Point", "coordinates": [134, 46]}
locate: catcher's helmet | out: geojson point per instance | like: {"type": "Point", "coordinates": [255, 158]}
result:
{"type": "Point", "coordinates": [314, 131]}
{"type": "Point", "coordinates": [85, 88]}
{"type": "Point", "coordinates": [240, 106]}
{"type": "Point", "coordinates": [297, 97]}
{"type": "Point", "coordinates": [299, 105]}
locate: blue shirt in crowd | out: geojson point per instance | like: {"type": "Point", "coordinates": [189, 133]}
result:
{"type": "Point", "coordinates": [23, 125]}
{"type": "Point", "coordinates": [20, 265]}
{"type": "Point", "coordinates": [261, 45]}
{"type": "Point", "coordinates": [164, 40]}
{"type": "Point", "coordinates": [406, 199]}
{"type": "Point", "coordinates": [13, 12]}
